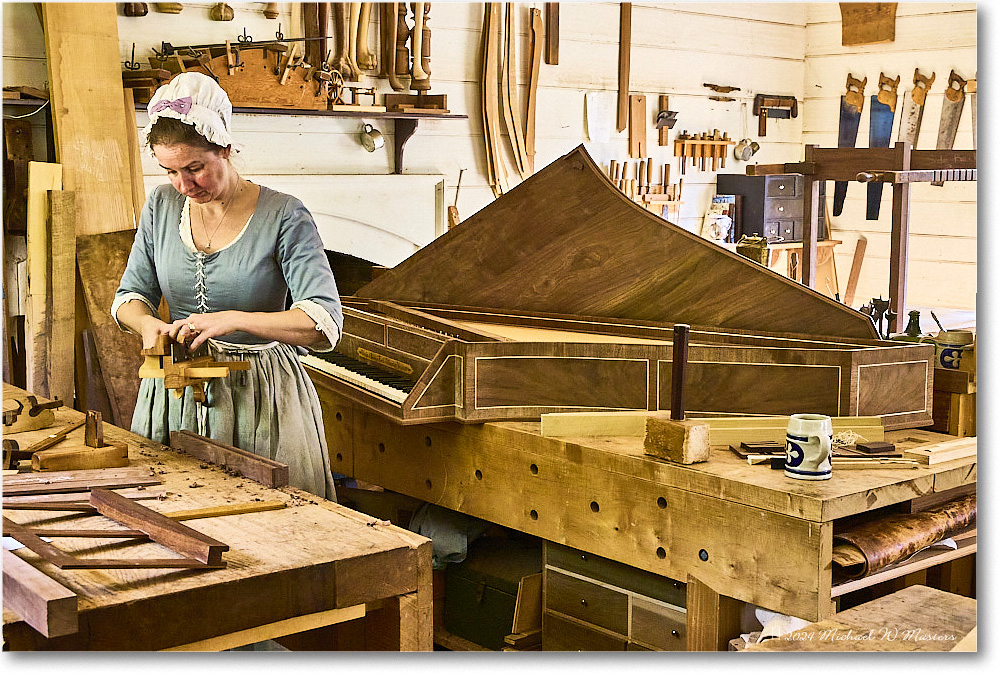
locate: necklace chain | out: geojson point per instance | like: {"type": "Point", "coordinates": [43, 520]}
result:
{"type": "Point", "coordinates": [209, 237]}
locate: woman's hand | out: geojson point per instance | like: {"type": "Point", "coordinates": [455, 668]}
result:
{"type": "Point", "coordinates": [151, 327]}
{"type": "Point", "coordinates": [197, 328]}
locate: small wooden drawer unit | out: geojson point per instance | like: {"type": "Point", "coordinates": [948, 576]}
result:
{"type": "Point", "coordinates": [591, 603]}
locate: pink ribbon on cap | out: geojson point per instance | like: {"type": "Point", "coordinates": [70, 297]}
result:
{"type": "Point", "coordinates": [181, 105]}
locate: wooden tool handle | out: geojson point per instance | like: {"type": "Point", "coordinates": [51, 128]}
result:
{"type": "Point", "coordinates": [679, 357]}
{"type": "Point", "coordinates": [52, 439]}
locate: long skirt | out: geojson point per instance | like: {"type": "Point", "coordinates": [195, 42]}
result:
{"type": "Point", "coordinates": [271, 410]}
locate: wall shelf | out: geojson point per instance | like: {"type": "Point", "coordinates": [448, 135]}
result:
{"type": "Point", "coordinates": [404, 124]}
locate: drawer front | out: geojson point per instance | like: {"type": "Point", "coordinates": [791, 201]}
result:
{"type": "Point", "coordinates": [783, 209]}
{"type": "Point", "coordinates": [616, 574]}
{"type": "Point", "coordinates": [784, 186]}
{"type": "Point", "coordinates": [562, 635]}
{"type": "Point", "coordinates": [586, 601]}
{"type": "Point", "coordinates": [657, 626]}
{"type": "Point", "coordinates": [773, 228]}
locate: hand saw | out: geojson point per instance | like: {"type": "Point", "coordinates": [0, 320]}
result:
{"type": "Point", "coordinates": [879, 132]}
{"type": "Point", "coordinates": [913, 107]}
{"type": "Point", "coordinates": [971, 91]}
{"type": "Point", "coordinates": [951, 114]}
{"type": "Point", "coordinates": [851, 105]}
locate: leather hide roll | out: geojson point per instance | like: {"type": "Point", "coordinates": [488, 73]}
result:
{"type": "Point", "coordinates": [865, 549]}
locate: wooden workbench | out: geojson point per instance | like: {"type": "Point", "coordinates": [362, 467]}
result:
{"type": "Point", "coordinates": [727, 529]}
{"type": "Point", "coordinates": [303, 567]}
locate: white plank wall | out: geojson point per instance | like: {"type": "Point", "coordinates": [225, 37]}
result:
{"type": "Point", "coordinates": [934, 37]}
{"type": "Point", "coordinates": [774, 48]}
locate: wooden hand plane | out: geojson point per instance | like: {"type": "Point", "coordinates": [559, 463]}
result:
{"type": "Point", "coordinates": [182, 368]}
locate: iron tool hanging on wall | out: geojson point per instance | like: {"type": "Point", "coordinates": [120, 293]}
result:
{"type": "Point", "coordinates": [913, 107]}
{"type": "Point", "coordinates": [851, 105]}
{"type": "Point", "coordinates": [951, 114]}
{"type": "Point", "coordinates": [879, 132]}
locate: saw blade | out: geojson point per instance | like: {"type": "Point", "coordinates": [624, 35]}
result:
{"type": "Point", "coordinates": [879, 133]}
{"type": "Point", "coordinates": [847, 136]}
{"type": "Point", "coordinates": [951, 115]}
{"type": "Point", "coordinates": [909, 120]}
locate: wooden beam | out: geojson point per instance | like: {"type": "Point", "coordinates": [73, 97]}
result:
{"type": "Point", "coordinates": [43, 603]}
{"type": "Point", "coordinates": [160, 528]}
{"type": "Point", "coordinates": [712, 619]}
{"type": "Point", "coordinates": [899, 240]}
{"type": "Point", "coordinates": [810, 224]}
{"type": "Point", "coordinates": [261, 469]}
{"type": "Point", "coordinates": [855, 274]}
{"type": "Point", "coordinates": [62, 285]}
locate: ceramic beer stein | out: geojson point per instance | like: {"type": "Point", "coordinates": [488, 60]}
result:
{"type": "Point", "coordinates": [950, 346]}
{"type": "Point", "coordinates": [808, 443]}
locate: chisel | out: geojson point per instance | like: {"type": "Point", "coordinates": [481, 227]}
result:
{"type": "Point", "coordinates": [453, 210]}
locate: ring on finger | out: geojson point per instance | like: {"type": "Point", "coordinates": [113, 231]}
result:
{"type": "Point", "coordinates": [191, 327]}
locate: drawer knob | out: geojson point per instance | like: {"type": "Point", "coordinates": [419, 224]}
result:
{"type": "Point", "coordinates": [781, 187]}
{"type": "Point", "coordinates": [583, 601]}
{"type": "Point", "coordinates": [781, 208]}
{"type": "Point", "coordinates": [583, 557]}
{"type": "Point", "coordinates": [675, 633]}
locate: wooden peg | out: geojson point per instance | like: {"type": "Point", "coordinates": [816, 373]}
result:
{"type": "Point", "coordinates": [94, 430]}
{"type": "Point", "coordinates": [221, 12]}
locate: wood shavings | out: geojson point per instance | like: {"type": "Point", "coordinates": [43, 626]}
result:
{"type": "Point", "coordinates": [846, 438]}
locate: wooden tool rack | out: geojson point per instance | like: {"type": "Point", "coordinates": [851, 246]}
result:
{"type": "Point", "coordinates": [299, 563]}
{"type": "Point", "coordinates": [900, 166]}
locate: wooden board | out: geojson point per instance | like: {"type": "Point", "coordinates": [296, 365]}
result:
{"type": "Point", "coordinates": [62, 244]}
{"type": "Point", "coordinates": [75, 481]}
{"type": "Point", "coordinates": [624, 58]}
{"type": "Point", "coordinates": [45, 604]}
{"type": "Point", "coordinates": [101, 260]}
{"type": "Point", "coordinates": [567, 241]}
{"type": "Point", "coordinates": [261, 469]}
{"type": "Point", "coordinates": [82, 50]}
{"type": "Point", "coordinates": [946, 451]}
{"type": "Point", "coordinates": [42, 178]}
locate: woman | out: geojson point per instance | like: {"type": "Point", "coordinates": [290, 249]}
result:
{"type": "Point", "coordinates": [224, 253]}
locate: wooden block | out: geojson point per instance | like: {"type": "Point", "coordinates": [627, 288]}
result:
{"type": "Point", "coordinates": [637, 126]}
{"type": "Point", "coordinates": [683, 441]}
{"type": "Point", "coordinates": [43, 603]}
{"type": "Point", "coordinates": [113, 455]}
{"type": "Point", "coordinates": [261, 469]}
{"type": "Point", "coordinates": [875, 447]}
{"type": "Point", "coordinates": [945, 451]}
{"type": "Point", "coordinates": [160, 528]}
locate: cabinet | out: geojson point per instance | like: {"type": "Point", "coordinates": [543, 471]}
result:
{"type": "Point", "coordinates": [772, 206]}
{"type": "Point", "coordinates": [592, 603]}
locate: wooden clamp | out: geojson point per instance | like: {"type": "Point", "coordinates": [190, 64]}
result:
{"type": "Point", "coordinates": [855, 95]}
{"type": "Point", "coordinates": [887, 91]}
{"type": "Point", "coordinates": [774, 106]}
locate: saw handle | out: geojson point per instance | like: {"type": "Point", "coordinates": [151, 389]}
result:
{"type": "Point", "coordinates": [955, 94]}
{"type": "Point", "coordinates": [855, 95]}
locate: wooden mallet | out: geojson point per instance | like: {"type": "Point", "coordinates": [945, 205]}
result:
{"type": "Point", "coordinates": [675, 438]}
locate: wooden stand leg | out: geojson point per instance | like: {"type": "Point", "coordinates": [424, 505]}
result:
{"type": "Point", "coordinates": [712, 619]}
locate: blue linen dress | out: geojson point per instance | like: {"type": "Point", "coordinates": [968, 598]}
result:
{"type": "Point", "coordinates": [272, 409]}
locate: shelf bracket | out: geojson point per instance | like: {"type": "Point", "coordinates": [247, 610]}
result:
{"type": "Point", "coordinates": [404, 129]}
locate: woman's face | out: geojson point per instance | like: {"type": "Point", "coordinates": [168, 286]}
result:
{"type": "Point", "coordinates": [195, 172]}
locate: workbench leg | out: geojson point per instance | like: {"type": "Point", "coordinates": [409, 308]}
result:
{"type": "Point", "coordinates": [712, 619]}
{"type": "Point", "coordinates": [406, 622]}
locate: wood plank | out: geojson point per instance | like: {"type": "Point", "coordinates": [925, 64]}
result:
{"type": "Point", "coordinates": [637, 126]}
{"type": "Point", "coordinates": [624, 57]}
{"type": "Point", "coordinates": [45, 604]}
{"type": "Point", "coordinates": [82, 50]}
{"type": "Point", "coordinates": [101, 260]}
{"type": "Point", "coordinates": [138, 194]}
{"type": "Point", "coordinates": [552, 33]}
{"type": "Point", "coordinates": [42, 177]}
{"type": "Point", "coordinates": [75, 481]}
{"type": "Point", "coordinates": [937, 453]}
{"type": "Point", "coordinates": [712, 619]}
{"type": "Point", "coordinates": [62, 282]}
{"type": "Point", "coordinates": [249, 465]}
{"type": "Point", "coordinates": [160, 528]}
{"type": "Point", "coordinates": [649, 258]}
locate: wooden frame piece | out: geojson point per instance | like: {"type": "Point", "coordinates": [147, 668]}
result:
{"type": "Point", "coordinates": [76, 481]}
{"type": "Point", "coordinates": [254, 467]}
{"type": "Point", "coordinates": [43, 603]}
{"type": "Point", "coordinates": [624, 56]}
{"type": "Point", "coordinates": [200, 551]}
